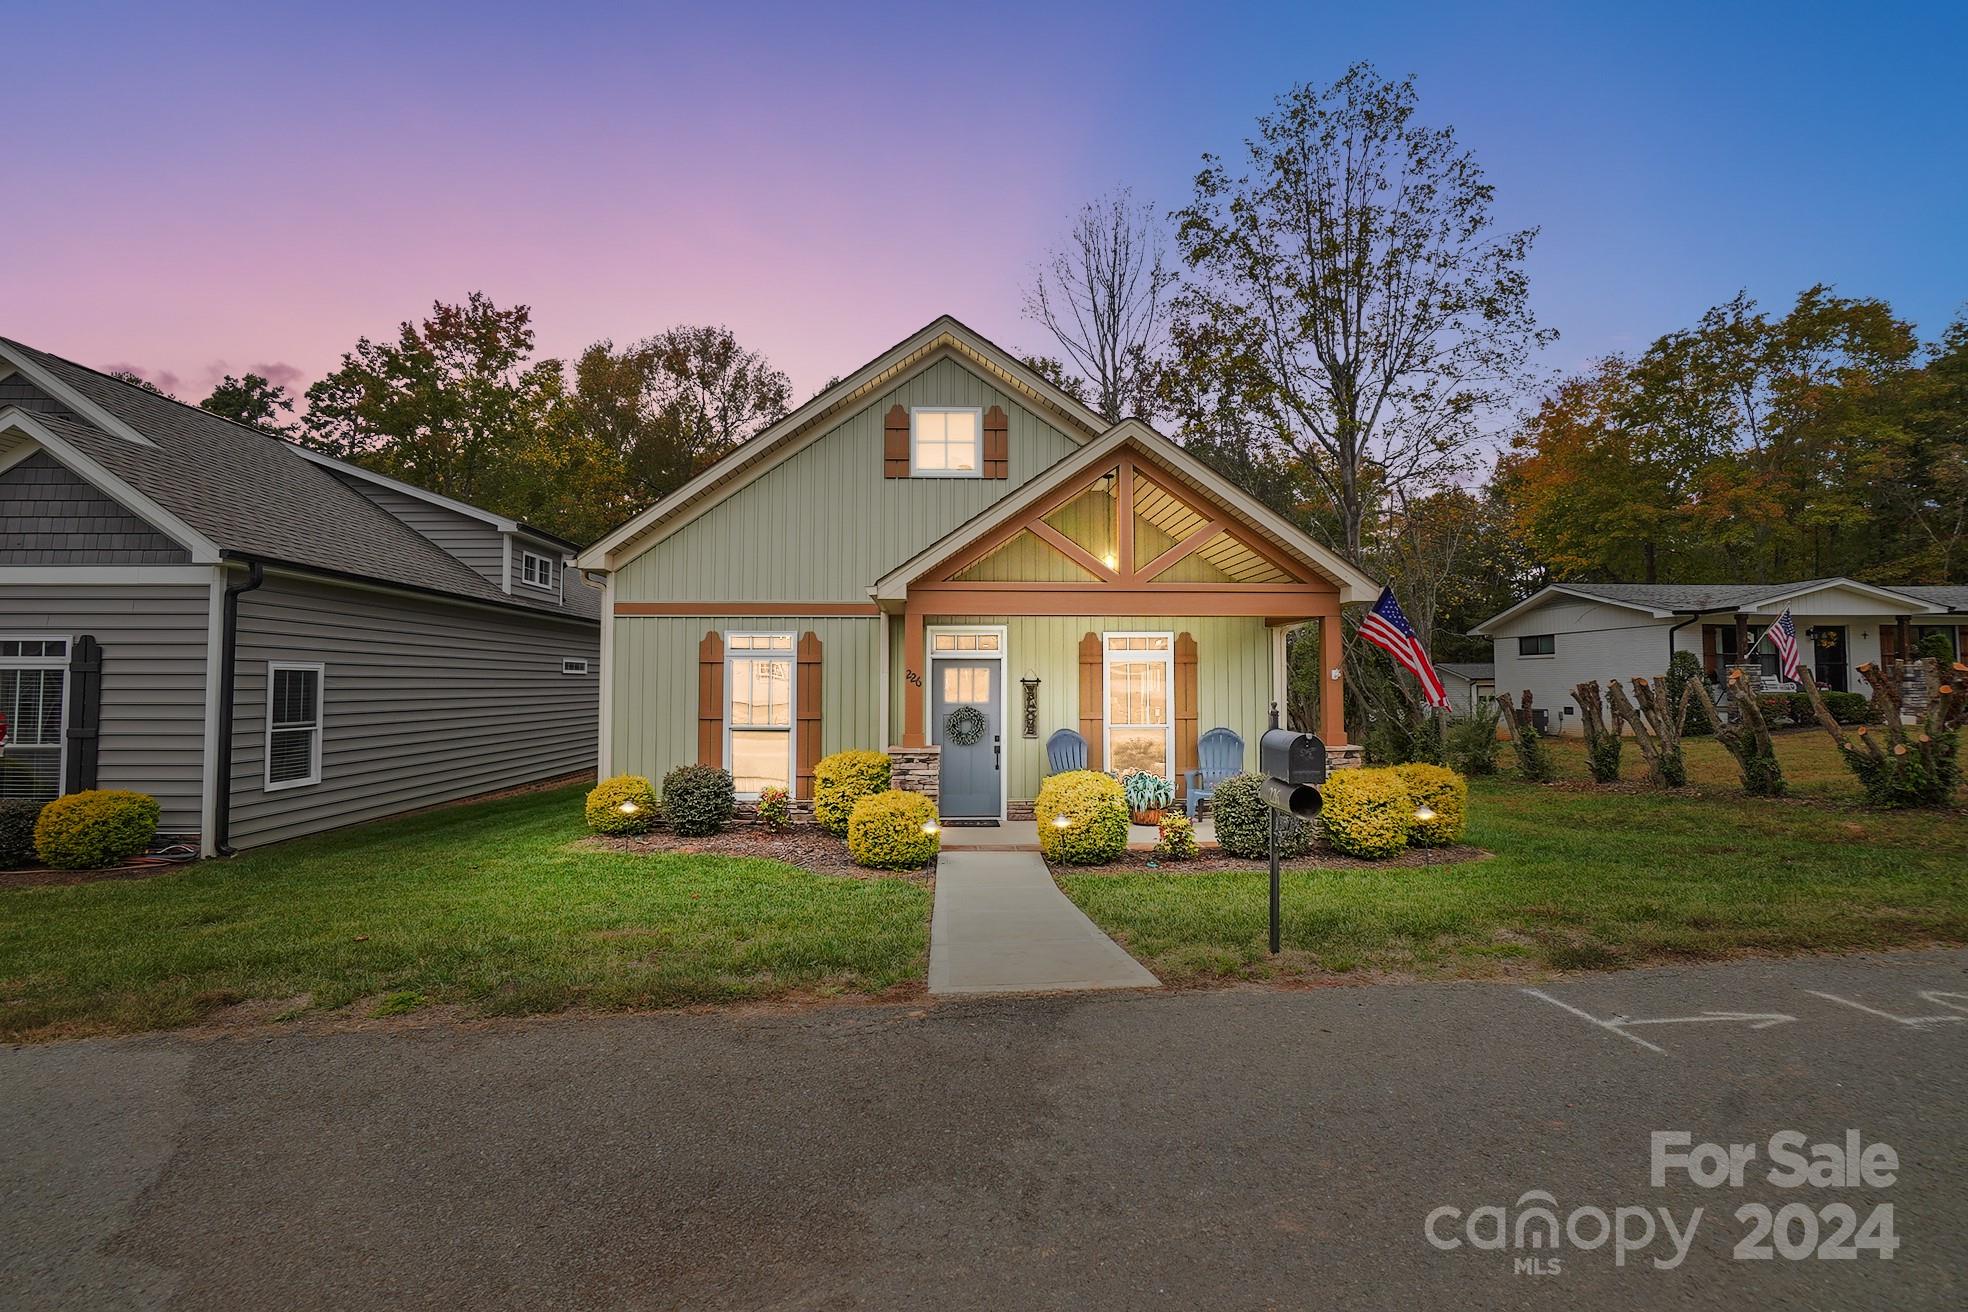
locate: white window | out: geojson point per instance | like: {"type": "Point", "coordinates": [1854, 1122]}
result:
{"type": "Point", "coordinates": [1140, 676]}
{"type": "Point", "coordinates": [574, 665]}
{"type": "Point", "coordinates": [33, 698]}
{"type": "Point", "coordinates": [946, 443]}
{"type": "Point", "coordinates": [758, 715]}
{"type": "Point", "coordinates": [537, 571]}
{"type": "Point", "coordinates": [1538, 644]}
{"type": "Point", "coordinates": [293, 734]}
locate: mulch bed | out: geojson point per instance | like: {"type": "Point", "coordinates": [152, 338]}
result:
{"type": "Point", "coordinates": [1215, 861]}
{"type": "Point", "coordinates": [807, 846]}
{"type": "Point", "coordinates": [38, 876]}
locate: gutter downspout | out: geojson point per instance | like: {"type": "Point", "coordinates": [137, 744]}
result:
{"type": "Point", "coordinates": [1674, 629]}
{"type": "Point", "coordinates": [228, 661]}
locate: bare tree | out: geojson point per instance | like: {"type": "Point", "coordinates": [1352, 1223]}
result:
{"type": "Point", "coordinates": [1104, 297]}
{"type": "Point", "coordinates": [1350, 297]}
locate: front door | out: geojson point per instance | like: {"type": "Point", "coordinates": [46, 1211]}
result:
{"type": "Point", "coordinates": [1828, 641]}
{"type": "Point", "coordinates": [968, 724]}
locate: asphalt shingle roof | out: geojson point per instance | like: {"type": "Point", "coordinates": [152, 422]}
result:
{"type": "Point", "coordinates": [252, 493]}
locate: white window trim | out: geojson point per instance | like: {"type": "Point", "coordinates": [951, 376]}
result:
{"type": "Point", "coordinates": [1167, 657]}
{"type": "Point", "coordinates": [977, 465]}
{"type": "Point", "coordinates": [791, 730]}
{"type": "Point", "coordinates": [1003, 657]}
{"type": "Point", "coordinates": [574, 665]}
{"type": "Point", "coordinates": [48, 663]}
{"type": "Point", "coordinates": [1523, 655]}
{"type": "Point", "coordinates": [268, 783]}
{"type": "Point", "coordinates": [526, 557]}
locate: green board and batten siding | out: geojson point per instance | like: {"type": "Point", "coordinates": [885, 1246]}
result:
{"type": "Point", "coordinates": [823, 524]}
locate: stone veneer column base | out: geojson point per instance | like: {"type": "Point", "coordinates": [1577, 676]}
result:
{"type": "Point", "coordinates": [1347, 756]}
{"type": "Point", "coordinates": [916, 770]}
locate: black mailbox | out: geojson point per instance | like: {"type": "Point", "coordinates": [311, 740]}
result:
{"type": "Point", "coordinates": [1296, 758]}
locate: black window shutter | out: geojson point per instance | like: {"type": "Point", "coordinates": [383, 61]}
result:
{"type": "Point", "coordinates": [84, 713]}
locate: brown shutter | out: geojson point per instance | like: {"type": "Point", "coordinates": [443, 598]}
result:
{"type": "Point", "coordinates": [1090, 717]}
{"type": "Point", "coordinates": [1185, 710]}
{"type": "Point", "coordinates": [895, 443]}
{"type": "Point", "coordinates": [997, 444]}
{"type": "Point", "coordinates": [1710, 656]}
{"type": "Point", "coordinates": [807, 692]}
{"type": "Point", "coordinates": [710, 700]}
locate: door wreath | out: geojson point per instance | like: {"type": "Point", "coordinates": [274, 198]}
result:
{"type": "Point", "coordinates": [963, 726]}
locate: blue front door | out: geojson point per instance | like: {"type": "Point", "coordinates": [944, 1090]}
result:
{"type": "Point", "coordinates": [968, 724]}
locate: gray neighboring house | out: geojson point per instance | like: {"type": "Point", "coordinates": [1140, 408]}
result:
{"type": "Point", "coordinates": [269, 641]}
{"type": "Point", "coordinates": [1468, 683]}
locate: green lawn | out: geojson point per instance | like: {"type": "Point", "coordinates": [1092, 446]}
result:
{"type": "Point", "coordinates": [1812, 765]}
{"type": "Point", "coordinates": [492, 906]}
{"type": "Point", "coordinates": [1580, 880]}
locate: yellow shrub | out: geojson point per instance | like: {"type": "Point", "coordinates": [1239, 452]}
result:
{"type": "Point", "coordinates": [1095, 812]}
{"type": "Point", "coordinates": [625, 804]}
{"type": "Point", "coordinates": [100, 827]}
{"type": "Point", "coordinates": [841, 780]}
{"type": "Point", "coordinates": [1367, 813]}
{"type": "Point", "coordinates": [886, 831]}
{"type": "Point", "coordinates": [1442, 791]}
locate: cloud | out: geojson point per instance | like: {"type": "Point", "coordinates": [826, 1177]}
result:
{"type": "Point", "coordinates": [162, 379]}
{"type": "Point", "coordinates": [282, 375]}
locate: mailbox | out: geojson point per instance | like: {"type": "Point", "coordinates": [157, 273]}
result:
{"type": "Point", "coordinates": [1296, 758]}
{"type": "Point", "coordinates": [1299, 801]}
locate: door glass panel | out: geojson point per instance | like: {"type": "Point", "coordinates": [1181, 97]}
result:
{"type": "Point", "coordinates": [966, 684]}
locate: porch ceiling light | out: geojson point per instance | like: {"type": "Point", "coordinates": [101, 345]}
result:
{"type": "Point", "coordinates": [1111, 561]}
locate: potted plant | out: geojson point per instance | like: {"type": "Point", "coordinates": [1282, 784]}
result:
{"type": "Point", "coordinates": [1147, 793]}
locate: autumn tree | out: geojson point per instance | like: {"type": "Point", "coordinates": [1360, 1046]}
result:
{"type": "Point", "coordinates": [250, 400]}
{"type": "Point", "coordinates": [1104, 297]}
{"type": "Point", "coordinates": [1350, 301]}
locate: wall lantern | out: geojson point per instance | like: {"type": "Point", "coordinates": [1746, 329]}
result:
{"type": "Point", "coordinates": [1029, 711]}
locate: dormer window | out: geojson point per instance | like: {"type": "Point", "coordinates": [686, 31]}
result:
{"type": "Point", "coordinates": [945, 443]}
{"type": "Point", "coordinates": [538, 571]}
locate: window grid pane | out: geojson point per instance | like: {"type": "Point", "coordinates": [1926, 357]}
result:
{"type": "Point", "coordinates": [759, 759]}
{"type": "Point", "coordinates": [761, 692]}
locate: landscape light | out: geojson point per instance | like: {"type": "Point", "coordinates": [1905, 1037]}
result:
{"type": "Point", "coordinates": [1424, 813]}
{"type": "Point", "coordinates": [931, 828]}
{"type": "Point", "coordinates": [1061, 822]}
{"type": "Point", "coordinates": [628, 808]}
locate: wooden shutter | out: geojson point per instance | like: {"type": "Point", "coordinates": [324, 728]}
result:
{"type": "Point", "coordinates": [1090, 716]}
{"type": "Point", "coordinates": [806, 691]}
{"type": "Point", "coordinates": [710, 700]}
{"type": "Point", "coordinates": [895, 443]}
{"type": "Point", "coordinates": [1711, 657]}
{"type": "Point", "coordinates": [84, 713]}
{"type": "Point", "coordinates": [997, 443]}
{"type": "Point", "coordinates": [1185, 710]}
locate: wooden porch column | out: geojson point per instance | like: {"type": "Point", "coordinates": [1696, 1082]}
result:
{"type": "Point", "coordinates": [913, 677]}
{"type": "Point", "coordinates": [1742, 638]}
{"type": "Point", "coordinates": [1902, 638]}
{"type": "Point", "coordinates": [1332, 691]}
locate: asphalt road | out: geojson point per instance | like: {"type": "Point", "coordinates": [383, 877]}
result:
{"type": "Point", "coordinates": [1228, 1149]}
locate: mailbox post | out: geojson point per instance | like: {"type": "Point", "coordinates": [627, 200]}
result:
{"type": "Point", "coordinates": [1294, 766]}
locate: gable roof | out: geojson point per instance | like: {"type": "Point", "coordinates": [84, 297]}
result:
{"type": "Point", "coordinates": [1949, 596]}
{"type": "Point", "coordinates": [1669, 600]}
{"type": "Point", "coordinates": [1471, 671]}
{"type": "Point", "coordinates": [1354, 584]}
{"type": "Point", "coordinates": [753, 457]}
{"type": "Point", "coordinates": [223, 487]}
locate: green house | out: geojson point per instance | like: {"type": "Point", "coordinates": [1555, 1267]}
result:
{"type": "Point", "coordinates": [946, 557]}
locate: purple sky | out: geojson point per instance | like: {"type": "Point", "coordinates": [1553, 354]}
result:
{"type": "Point", "coordinates": [222, 188]}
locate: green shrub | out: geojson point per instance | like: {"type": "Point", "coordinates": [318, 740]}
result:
{"type": "Point", "coordinates": [1934, 646]}
{"type": "Point", "coordinates": [698, 800]}
{"type": "Point", "coordinates": [1682, 667]}
{"type": "Point", "coordinates": [1904, 781]}
{"type": "Point", "coordinates": [841, 780]}
{"type": "Point", "coordinates": [1535, 764]}
{"type": "Point", "coordinates": [1094, 814]}
{"type": "Point", "coordinates": [1781, 707]}
{"type": "Point", "coordinates": [892, 831]}
{"type": "Point", "coordinates": [1368, 813]}
{"type": "Point", "coordinates": [17, 817]}
{"type": "Point", "coordinates": [1444, 792]}
{"type": "Point", "coordinates": [625, 804]}
{"type": "Point", "coordinates": [1177, 840]}
{"type": "Point", "coordinates": [1243, 821]}
{"type": "Point", "coordinates": [1472, 746]}
{"type": "Point", "coordinates": [775, 809]}
{"type": "Point", "coordinates": [1602, 757]}
{"type": "Point", "coordinates": [1845, 707]}
{"type": "Point", "coordinates": [101, 827]}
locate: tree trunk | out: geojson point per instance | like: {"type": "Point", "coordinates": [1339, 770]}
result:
{"type": "Point", "coordinates": [1534, 760]}
{"type": "Point", "coordinates": [1918, 765]}
{"type": "Point", "coordinates": [1656, 727]}
{"type": "Point", "coordinates": [1602, 738]}
{"type": "Point", "coordinates": [1746, 735]}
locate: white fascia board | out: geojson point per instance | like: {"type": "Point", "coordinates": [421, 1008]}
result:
{"type": "Point", "coordinates": [203, 550]}
{"type": "Point", "coordinates": [73, 399]}
{"type": "Point", "coordinates": [1897, 601]}
{"type": "Point", "coordinates": [1550, 590]}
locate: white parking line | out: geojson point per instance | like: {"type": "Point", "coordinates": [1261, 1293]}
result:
{"type": "Point", "coordinates": [1602, 1024]}
{"type": "Point", "coordinates": [1912, 1022]}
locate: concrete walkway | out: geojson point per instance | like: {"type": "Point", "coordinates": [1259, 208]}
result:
{"type": "Point", "coordinates": [1001, 925]}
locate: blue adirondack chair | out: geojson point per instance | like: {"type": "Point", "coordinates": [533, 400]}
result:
{"type": "Point", "coordinates": [1220, 754]}
{"type": "Point", "coordinates": [1065, 750]}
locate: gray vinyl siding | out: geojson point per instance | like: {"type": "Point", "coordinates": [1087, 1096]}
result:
{"type": "Point", "coordinates": [424, 701]}
{"type": "Point", "coordinates": [153, 640]}
{"type": "Point", "coordinates": [655, 673]}
{"type": "Point", "coordinates": [50, 515]}
{"type": "Point", "coordinates": [17, 391]}
{"type": "Point", "coordinates": [477, 543]}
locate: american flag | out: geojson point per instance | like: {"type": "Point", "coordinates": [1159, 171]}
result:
{"type": "Point", "coordinates": [1387, 628]}
{"type": "Point", "coordinates": [1783, 636]}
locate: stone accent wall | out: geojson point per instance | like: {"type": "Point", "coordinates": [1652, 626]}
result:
{"type": "Point", "coordinates": [1348, 756]}
{"type": "Point", "coordinates": [916, 770]}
